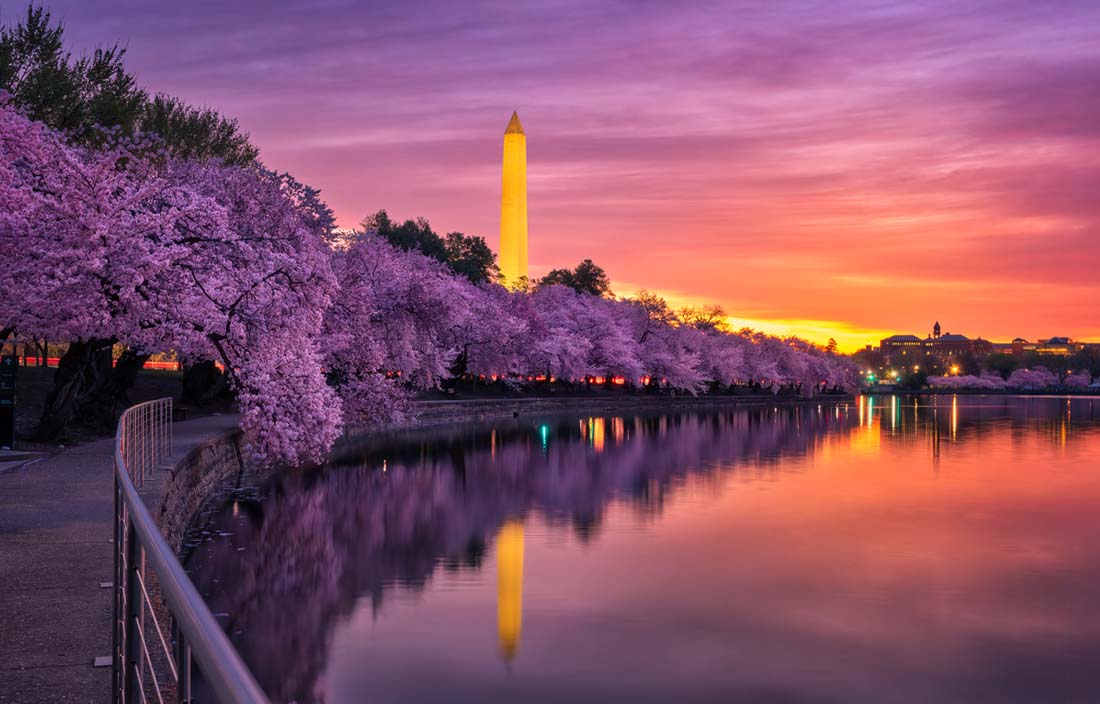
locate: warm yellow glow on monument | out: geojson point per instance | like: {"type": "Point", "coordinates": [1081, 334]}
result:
{"type": "Point", "coordinates": [513, 206]}
{"type": "Point", "coordinates": [509, 587]}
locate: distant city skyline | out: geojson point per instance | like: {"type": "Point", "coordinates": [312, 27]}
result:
{"type": "Point", "coordinates": [943, 332]}
{"type": "Point", "coordinates": [833, 170]}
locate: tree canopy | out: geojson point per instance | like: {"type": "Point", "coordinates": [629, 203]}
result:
{"type": "Point", "coordinates": [586, 277]}
{"type": "Point", "coordinates": [466, 255]}
{"type": "Point", "coordinates": [94, 99]}
{"type": "Point", "coordinates": [211, 261]}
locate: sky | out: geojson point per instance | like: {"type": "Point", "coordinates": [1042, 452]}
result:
{"type": "Point", "coordinates": [833, 169]}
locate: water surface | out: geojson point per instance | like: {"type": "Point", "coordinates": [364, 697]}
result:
{"type": "Point", "coordinates": [895, 549]}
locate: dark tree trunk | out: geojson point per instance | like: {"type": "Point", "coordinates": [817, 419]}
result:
{"type": "Point", "coordinates": [88, 389]}
{"type": "Point", "coordinates": [202, 382]}
{"type": "Point", "coordinates": [77, 372]}
{"type": "Point", "coordinates": [106, 400]}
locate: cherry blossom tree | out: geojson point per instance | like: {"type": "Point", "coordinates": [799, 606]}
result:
{"type": "Point", "coordinates": [254, 295]}
{"type": "Point", "coordinates": [1032, 379]}
{"type": "Point", "coordinates": [490, 333]}
{"type": "Point", "coordinates": [577, 335]}
{"type": "Point", "coordinates": [664, 346]}
{"type": "Point", "coordinates": [86, 234]}
{"type": "Point", "coordinates": [390, 329]}
{"type": "Point", "coordinates": [1078, 380]}
{"type": "Point", "coordinates": [123, 245]}
{"type": "Point", "coordinates": [987, 381]}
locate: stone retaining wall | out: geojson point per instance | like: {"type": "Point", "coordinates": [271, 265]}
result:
{"type": "Point", "coordinates": [433, 413]}
{"type": "Point", "coordinates": [200, 475]}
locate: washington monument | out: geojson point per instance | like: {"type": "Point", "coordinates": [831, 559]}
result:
{"type": "Point", "coordinates": [513, 206]}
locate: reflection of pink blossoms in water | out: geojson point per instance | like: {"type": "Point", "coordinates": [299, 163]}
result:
{"type": "Point", "coordinates": [319, 541]}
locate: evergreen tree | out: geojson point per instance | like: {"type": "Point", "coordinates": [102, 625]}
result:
{"type": "Point", "coordinates": [587, 277]}
{"type": "Point", "coordinates": [469, 256]}
{"type": "Point", "coordinates": [94, 100]}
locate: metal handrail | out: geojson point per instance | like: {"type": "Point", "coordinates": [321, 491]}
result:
{"type": "Point", "coordinates": [143, 440]}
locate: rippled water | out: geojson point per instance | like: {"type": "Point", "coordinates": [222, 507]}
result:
{"type": "Point", "coordinates": [895, 549]}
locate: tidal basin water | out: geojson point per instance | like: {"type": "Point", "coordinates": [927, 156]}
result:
{"type": "Point", "coordinates": [892, 549]}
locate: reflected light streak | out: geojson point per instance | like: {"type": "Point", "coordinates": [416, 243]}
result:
{"type": "Point", "coordinates": [618, 430]}
{"type": "Point", "coordinates": [596, 433]}
{"type": "Point", "coordinates": [509, 587]}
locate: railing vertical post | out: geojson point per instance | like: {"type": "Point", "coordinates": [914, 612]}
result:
{"type": "Point", "coordinates": [183, 669]}
{"type": "Point", "coordinates": [143, 431]}
{"type": "Point", "coordinates": [142, 422]}
{"type": "Point", "coordinates": [135, 609]}
{"type": "Point", "coordinates": [154, 428]}
{"type": "Point", "coordinates": [117, 617]}
{"type": "Point", "coordinates": [187, 673]}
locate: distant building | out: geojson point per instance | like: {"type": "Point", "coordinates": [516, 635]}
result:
{"type": "Point", "coordinates": [948, 344]}
{"type": "Point", "coordinates": [1058, 345]}
{"type": "Point", "coordinates": [895, 343]}
{"type": "Point", "coordinates": [1051, 345]}
{"type": "Point", "coordinates": [1020, 345]}
{"type": "Point", "coordinates": [937, 343]}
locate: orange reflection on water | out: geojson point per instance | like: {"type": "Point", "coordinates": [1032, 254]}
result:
{"type": "Point", "coordinates": [812, 554]}
{"type": "Point", "coordinates": [618, 430]}
{"type": "Point", "coordinates": [509, 587]}
{"type": "Point", "coordinates": [596, 433]}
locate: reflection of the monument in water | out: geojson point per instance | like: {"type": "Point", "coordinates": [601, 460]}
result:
{"type": "Point", "coordinates": [291, 566]}
{"type": "Point", "coordinates": [509, 587]}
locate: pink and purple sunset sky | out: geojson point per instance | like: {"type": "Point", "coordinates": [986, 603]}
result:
{"type": "Point", "coordinates": [838, 168]}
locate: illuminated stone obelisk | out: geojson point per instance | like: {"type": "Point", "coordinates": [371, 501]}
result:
{"type": "Point", "coordinates": [509, 587]}
{"type": "Point", "coordinates": [513, 207]}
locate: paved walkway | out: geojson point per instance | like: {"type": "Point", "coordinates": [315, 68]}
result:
{"type": "Point", "coordinates": [55, 550]}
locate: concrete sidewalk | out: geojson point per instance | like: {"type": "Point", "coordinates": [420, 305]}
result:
{"type": "Point", "coordinates": [55, 550]}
